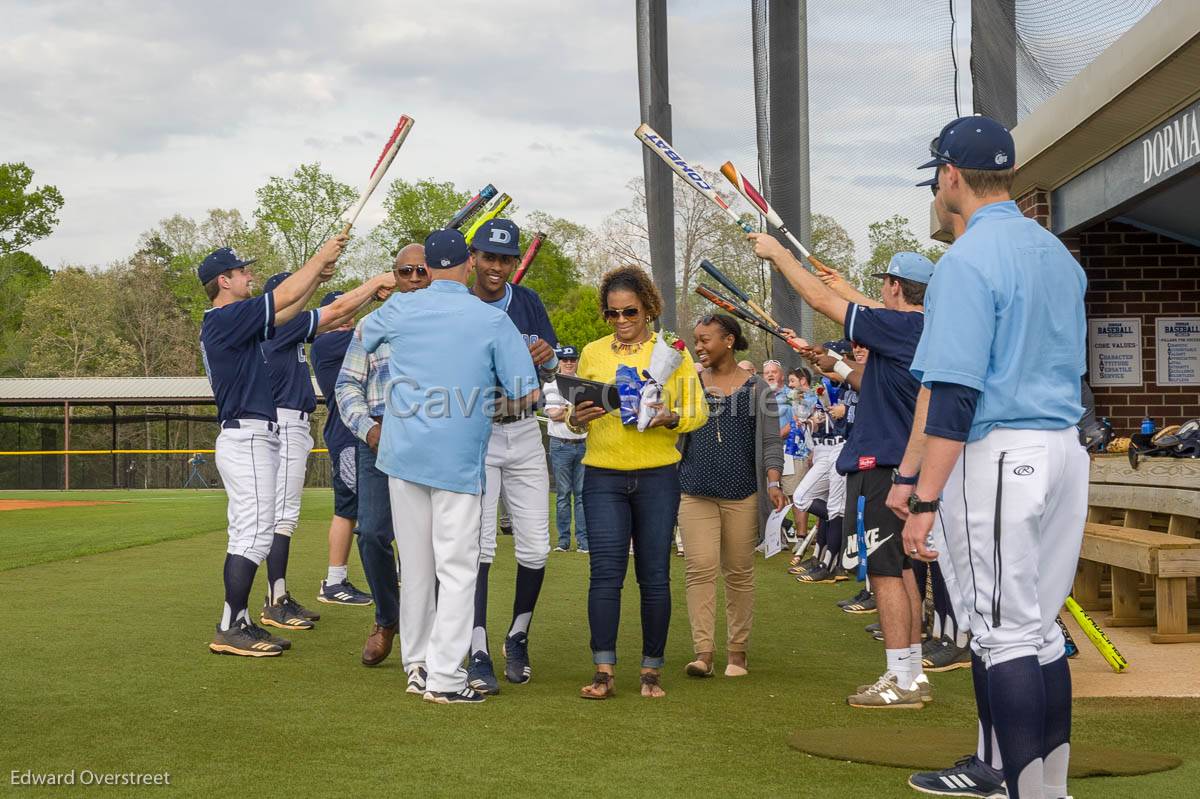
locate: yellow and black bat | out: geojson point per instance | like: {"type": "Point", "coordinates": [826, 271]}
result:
{"type": "Point", "coordinates": [491, 212]}
{"type": "Point", "coordinates": [1092, 630]}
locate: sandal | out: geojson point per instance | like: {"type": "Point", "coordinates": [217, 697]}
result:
{"type": "Point", "coordinates": [651, 680]}
{"type": "Point", "coordinates": [601, 687]}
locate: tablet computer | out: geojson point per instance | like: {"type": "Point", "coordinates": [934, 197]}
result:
{"type": "Point", "coordinates": [577, 389]}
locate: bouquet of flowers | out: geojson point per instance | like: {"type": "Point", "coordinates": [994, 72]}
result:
{"type": "Point", "coordinates": [664, 360]}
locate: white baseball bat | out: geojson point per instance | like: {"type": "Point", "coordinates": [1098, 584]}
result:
{"type": "Point", "coordinates": [662, 148]}
{"type": "Point", "coordinates": [381, 167]}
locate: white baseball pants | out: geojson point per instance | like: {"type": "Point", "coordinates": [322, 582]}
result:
{"type": "Point", "coordinates": [295, 443]}
{"type": "Point", "coordinates": [516, 469]}
{"type": "Point", "coordinates": [1014, 509]}
{"type": "Point", "coordinates": [823, 481]}
{"type": "Point", "coordinates": [437, 538]}
{"type": "Point", "coordinates": [247, 460]}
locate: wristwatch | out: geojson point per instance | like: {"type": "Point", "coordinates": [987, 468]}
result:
{"type": "Point", "coordinates": [901, 480]}
{"type": "Point", "coordinates": [773, 484]}
{"type": "Point", "coordinates": [918, 505]}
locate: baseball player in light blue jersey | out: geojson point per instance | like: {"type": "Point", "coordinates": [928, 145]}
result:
{"type": "Point", "coordinates": [1000, 361]}
{"type": "Point", "coordinates": [295, 400]}
{"type": "Point", "coordinates": [452, 357]}
{"type": "Point", "coordinates": [248, 445]}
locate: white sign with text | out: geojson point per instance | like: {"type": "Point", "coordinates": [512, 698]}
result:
{"type": "Point", "coordinates": [1115, 352]}
{"type": "Point", "coordinates": [1177, 350]}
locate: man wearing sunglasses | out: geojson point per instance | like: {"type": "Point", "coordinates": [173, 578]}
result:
{"type": "Point", "coordinates": [516, 461]}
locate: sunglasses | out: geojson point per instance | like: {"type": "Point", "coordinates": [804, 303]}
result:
{"type": "Point", "coordinates": [934, 189]}
{"type": "Point", "coordinates": [628, 313]}
{"type": "Point", "coordinates": [406, 271]}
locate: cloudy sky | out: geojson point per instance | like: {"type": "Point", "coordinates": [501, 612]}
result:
{"type": "Point", "coordinates": [140, 110]}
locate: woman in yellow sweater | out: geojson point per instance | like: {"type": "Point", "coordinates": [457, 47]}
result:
{"type": "Point", "coordinates": [631, 480]}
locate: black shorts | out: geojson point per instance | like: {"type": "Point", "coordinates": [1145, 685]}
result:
{"type": "Point", "coordinates": [884, 529]}
{"type": "Point", "coordinates": [345, 482]}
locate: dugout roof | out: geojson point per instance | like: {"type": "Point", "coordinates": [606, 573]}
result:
{"type": "Point", "coordinates": [28, 391]}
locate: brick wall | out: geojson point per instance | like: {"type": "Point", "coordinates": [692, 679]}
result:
{"type": "Point", "coordinates": [1132, 272]}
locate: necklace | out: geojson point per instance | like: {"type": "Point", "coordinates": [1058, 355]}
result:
{"type": "Point", "coordinates": [621, 348]}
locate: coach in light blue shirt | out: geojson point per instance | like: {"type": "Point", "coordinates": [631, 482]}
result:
{"type": "Point", "coordinates": [450, 354]}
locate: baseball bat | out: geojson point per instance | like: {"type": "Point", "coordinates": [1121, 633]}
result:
{"type": "Point", "coordinates": [861, 529]}
{"type": "Point", "coordinates": [807, 540]}
{"type": "Point", "coordinates": [530, 253]}
{"type": "Point", "coordinates": [1097, 636]}
{"type": "Point", "coordinates": [381, 166]}
{"type": "Point", "coordinates": [473, 205]}
{"type": "Point", "coordinates": [726, 304]}
{"type": "Point", "coordinates": [752, 195]}
{"type": "Point", "coordinates": [498, 204]}
{"type": "Point", "coordinates": [662, 148]}
{"type": "Point", "coordinates": [723, 279]}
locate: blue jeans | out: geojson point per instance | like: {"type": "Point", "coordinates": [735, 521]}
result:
{"type": "Point", "coordinates": [375, 536]}
{"type": "Point", "coordinates": [566, 459]}
{"type": "Point", "coordinates": [638, 506]}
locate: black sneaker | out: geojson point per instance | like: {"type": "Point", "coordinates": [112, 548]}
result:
{"type": "Point", "coordinates": [285, 614]}
{"type": "Point", "coordinates": [481, 675]}
{"type": "Point", "coordinates": [343, 593]}
{"type": "Point", "coordinates": [466, 696]}
{"type": "Point", "coordinates": [944, 655]}
{"type": "Point", "coordinates": [247, 640]}
{"type": "Point", "coordinates": [967, 777]}
{"type": "Point", "coordinates": [862, 607]}
{"type": "Point", "coordinates": [821, 574]}
{"type": "Point", "coordinates": [875, 631]}
{"type": "Point", "coordinates": [516, 659]}
{"type": "Point", "coordinates": [859, 597]}
{"type": "Point", "coordinates": [416, 681]}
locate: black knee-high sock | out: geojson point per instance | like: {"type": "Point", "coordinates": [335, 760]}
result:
{"type": "Point", "coordinates": [479, 633]}
{"type": "Point", "coordinates": [529, 585]}
{"type": "Point", "coordinates": [1056, 753]}
{"type": "Point", "coordinates": [983, 707]}
{"type": "Point", "coordinates": [947, 626]}
{"type": "Point", "coordinates": [821, 537]}
{"type": "Point", "coordinates": [834, 541]}
{"type": "Point", "coordinates": [277, 560]}
{"type": "Point", "coordinates": [239, 579]}
{"type": "Point", "coordinates": [1018, 701]}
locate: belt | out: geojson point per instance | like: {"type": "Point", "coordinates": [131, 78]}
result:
{"type": "Point", "coordinates": [511, 419]}
{"type": "Point", "coordinates": [570, 440]}
{"type": "Point", "coordinates": [832, 442]}
{"type": "Point", "coordinates": [290, 415]}
{"type": "Point", "coordinates": [249, 424]}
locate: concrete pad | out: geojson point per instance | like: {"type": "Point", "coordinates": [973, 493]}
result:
{"type": "Point", "coordinates": [1168, 670]}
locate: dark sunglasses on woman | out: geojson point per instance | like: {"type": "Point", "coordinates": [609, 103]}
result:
{"type": "Point", "coordinates": [628, 313]}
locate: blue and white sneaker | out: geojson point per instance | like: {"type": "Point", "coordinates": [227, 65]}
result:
{"type": "Point", "coordinates": [343, 593]}
{"type": "Point", "coordinates": [516, 659]}
{"type": "Point", "coordinates": [416, 681]}
{"type": "Point", "coordinates": [466, 696]}
{"type": "Point", "coordinates": [481, 676]}
{"type": "Point", "coordinates": [968, 777]}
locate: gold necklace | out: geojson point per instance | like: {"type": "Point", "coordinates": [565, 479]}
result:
{"type": "Point", "coordinates": [621, 348]}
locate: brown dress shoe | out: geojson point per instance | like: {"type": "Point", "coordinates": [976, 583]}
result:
{"type": "Point", "coordinates": [379, 645]}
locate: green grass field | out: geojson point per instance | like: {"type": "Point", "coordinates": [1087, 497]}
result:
{"type": "Point", "coordinates": [108, 610]}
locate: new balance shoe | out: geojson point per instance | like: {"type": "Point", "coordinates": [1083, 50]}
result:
{"type": "Point", "coordinates": [343, 593]}
{"type": "Point", "coordinates": [247, 640]}
{"type": "Point", "coordinates": [944, 655]}
{"type": "Point", "coordinates": [464, 697]}
{"type": "Point", "coordinates": [481, 675]}
{"type": "Point", "coordinates": [285, 614]}
{"type": "Point", "coordinates": [850, 600]}
{"type": "Point", "coordinates": [516, 659]}
{"type": "Point", "coordinates": [862, 607]}
{"type": "Point", "coordinates": [968, 777]}
{"type": "Point", "coordinates": [416, 680]}
{"type": "Point", "coordinates": [924, 688]}
{"type": "Point", "coordinates": [886, 693]}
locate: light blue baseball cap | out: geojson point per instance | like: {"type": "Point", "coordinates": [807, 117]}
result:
{"type": "Point", "coordinates": [909, 266]}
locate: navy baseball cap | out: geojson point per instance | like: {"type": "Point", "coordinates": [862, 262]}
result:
{"type": "Point", "coordinates": [499, 236]}
{"type": "Point", "coordinates": [933, 181]}
{"type": "Point", "coordinates": [909, 266]}
{"type": "Point", "coordinates": [842, 346]}
{"type": "Point", "coordinates": [975, 142]}
{"type": "Point", "coordinates": [567, 353]}
{"type": "Point", "coordinates": [274, 280]}
{"type": "Point", "coordinates": [445, 249]}
{"type": "Point", "coordinates": [219, 261]}
{"type": "Point", "coordinates": [330, 297]}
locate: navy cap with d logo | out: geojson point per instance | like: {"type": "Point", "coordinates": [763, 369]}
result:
{"type": "Point", "coordinates": [975, 142]}
{"type": "Point", "coordinates": [445, 249]}
{"type": "Point", "coordinates": [499, 236]}
{"type": "Point", "coordinates": [219, 261]}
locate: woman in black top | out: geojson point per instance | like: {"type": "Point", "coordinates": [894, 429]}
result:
{"type": "Point", "coordinates": [729, 477]}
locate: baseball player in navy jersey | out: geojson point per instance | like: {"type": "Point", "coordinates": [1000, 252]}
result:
{"type": "Point", "coordinates": [1001, 358]}
{"type": "Point", "coordinates": [248, 445]}
{"type": "Point", "coordinates": [291, 385]}
{"type": "Point", "coordinates": [516, 462]}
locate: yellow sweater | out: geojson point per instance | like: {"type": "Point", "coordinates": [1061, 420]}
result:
{"type": "Point", "coordinates": [612, 445]}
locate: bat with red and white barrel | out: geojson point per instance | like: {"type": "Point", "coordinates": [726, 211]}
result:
{"type": "Point", "coordinates": [381, 167]}
{"type": "Point", "coordinates": [530, 253]}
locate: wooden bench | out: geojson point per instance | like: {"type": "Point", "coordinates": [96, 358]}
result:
{"type": "Point", "coordinates": [1142, 529]}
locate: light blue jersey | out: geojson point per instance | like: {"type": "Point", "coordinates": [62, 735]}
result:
{"type": "Point", "coordinates": [1004, 315]}
{"type": "Point", "coordinates": [449, 353]}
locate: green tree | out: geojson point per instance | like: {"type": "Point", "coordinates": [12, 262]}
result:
{"type": "Point", "coordinates": [413, 210]}
{"type": "Point", "coordinates": [72, 327]}
{"type": "Point", "coordinates": [886, 238]}
{"type": "Point", "coordinates": [21, 275]}
{"type": "Point", "coordinates": [158, 332]}
{"type": "Point", "coordinates": [25, 216]}
{"type": "Point", "coordinates": [576, 317]}
{"type": "Point", "coordinates": [299, 212]}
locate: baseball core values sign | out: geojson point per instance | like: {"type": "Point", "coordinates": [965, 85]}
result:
{"type": "Point", "coordinates": [1115, 352]}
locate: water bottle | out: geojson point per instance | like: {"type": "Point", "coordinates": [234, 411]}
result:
{"type": "Point", "coordinates": [1147, 426]}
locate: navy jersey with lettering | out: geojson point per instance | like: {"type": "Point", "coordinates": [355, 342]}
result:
{"type": "Point", "coordinates": [524, 307]}
{"type": "Point", "coordinates": [326, 353]}
{"type": "Point", "coordinates": [230, 344]}
{"type": "Point", "coordinates": [291, 383]}
{"type": "Point", "coordinates": [888, 392]}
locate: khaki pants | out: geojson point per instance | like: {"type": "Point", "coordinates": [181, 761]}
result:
{"type": "Point", "coordinates": [719, 533]}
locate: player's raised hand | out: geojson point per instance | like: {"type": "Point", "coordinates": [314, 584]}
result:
{"type": "Point", "coordinates": [386, 284]}
{"type": "Point", "coordinates": [541, 351]}
{"type": "Point", "coordinates": [766, 246]}
{"type": "Point", "coordinates": [329, 252]}
{"type": "Point", "coordinates": [790, 334]}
